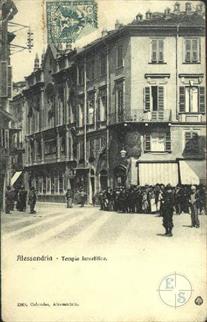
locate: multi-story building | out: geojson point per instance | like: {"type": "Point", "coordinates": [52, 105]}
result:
{"type": "Point", "coordinates": [128, 108]}
{"type": "Point", "coordinates": [18, 133]}
{"type": "Point", "coordinates": [7, 12]}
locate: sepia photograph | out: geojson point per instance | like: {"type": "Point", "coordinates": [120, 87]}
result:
{"type": "Point", "coordinates": [103, 161]}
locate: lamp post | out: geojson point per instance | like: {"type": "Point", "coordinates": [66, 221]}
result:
{"type": "Point", "coordinates": [123, 153]}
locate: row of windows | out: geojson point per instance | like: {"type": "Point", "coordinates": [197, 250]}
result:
{"type": "Point", "coordinates": [94, 146]}
{"type": "Point", "coordinates": [55, 184]}
{"type": "Point", "coordinates": [161, 142]}
{"type": "Point", "coordinates": [191, 100]}
{"type": "Point", "coordinates": [4, 138]}
{"type": "Point", "coordinates": [191, 54]}
{"type": "Point", "coordinates": [191, 50]}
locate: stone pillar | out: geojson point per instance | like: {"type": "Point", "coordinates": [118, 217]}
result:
{"type": "Point", "coordinates": [67, 148]}
{"type": "Point", "coordinates": [42, 148]}
{"type": "Point", "coordinates": [58, 145]}
{"type": "Point", "coordinates": [35, 150]}
{"type": "Point", "coordinates": [66, 106]}
{"type": "Point", "coordinates": [42, 112]}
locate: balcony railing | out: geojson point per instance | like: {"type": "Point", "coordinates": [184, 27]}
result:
{"type": "Point", "coordinates": [139, 115]}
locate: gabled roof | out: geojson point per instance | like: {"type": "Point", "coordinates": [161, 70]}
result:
{"type": "Point", "coordinates": [50, 49]}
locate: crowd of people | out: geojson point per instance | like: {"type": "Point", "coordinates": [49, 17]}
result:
{"type": "Point", "coordinates": [161, 199]}
{"type": "Point", "coordinates": [149, 199]}
{"type": "Point", "coordinates": [18, 198]}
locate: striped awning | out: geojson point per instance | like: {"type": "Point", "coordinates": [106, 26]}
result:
{"type": "Point", "coordinates": [192, 171]}
{"type": "Point", "coordinates": [15, 177]}
{"type": "Point", "coordinates": [151, 173]}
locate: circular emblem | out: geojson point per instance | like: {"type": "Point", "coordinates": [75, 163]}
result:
{"type": "Point", "coordinates": [198, 300]}
{"type": "Point", "coordinates": [175, 290]}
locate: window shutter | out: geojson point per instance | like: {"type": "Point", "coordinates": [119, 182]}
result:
{"type": "Point", "coordinates": [147, 98]}
{"type": "Point", "coordinates": [160, 98]}
{"type": "Point", "coordinates": [154, 51]}
{"type": "Point", "coordinates": [187, 50]}
{"type": "Point", "coordinates": [194, 50]}
{"type": "Point", "coordinates": [98, 114]}
{"type": "Point", "coordinates": [161, 49]}
{"type": "Point", "coordinates": [187, 137]}
{"type": "Point", "coordinates": [182, 99]}
{"type": "Point", "coordinates": [202, 99]}
{"type": "Point", "coordinates": [168, 141]}
{"type": "Point", "coordinates": [147, 142]}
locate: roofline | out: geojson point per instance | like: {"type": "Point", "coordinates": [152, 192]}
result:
{"type": "Point", "coordinates": [131, 27]}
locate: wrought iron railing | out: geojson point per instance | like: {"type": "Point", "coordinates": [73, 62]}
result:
{"type": "Point", "coordinates": [138, 115]}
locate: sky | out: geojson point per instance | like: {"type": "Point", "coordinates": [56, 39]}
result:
{"type": "Point", "coordinates": [32, 13]}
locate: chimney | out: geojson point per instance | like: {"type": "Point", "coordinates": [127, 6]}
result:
{"type": "Point", "coordinates": [177, 7]}
{"type": "Point", "coordinates": [148, 15]}
{"type": "Point", "coordinates": [36, 63]}
{"type": "Point", "coordinates": [199, 8]}
{"type": "Point", "coordinates": [139, 17]}
{"type": "Point", "coordinates": [104, 32]}
{"type": "Point", "coordinates": [117, 24]}
{"type": "Point", "coordinates": [188, 7]}
{"type": "Point", "coordinates": [167, 11]}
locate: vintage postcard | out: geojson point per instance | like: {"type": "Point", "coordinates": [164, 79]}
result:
{"type": "Point", "coordinates": [103, 161]}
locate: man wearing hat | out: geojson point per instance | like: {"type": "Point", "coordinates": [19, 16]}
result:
{"type": "Point", "coordinates": [194, 205]}
{"type": "Point", "coordinates": [168, 204]}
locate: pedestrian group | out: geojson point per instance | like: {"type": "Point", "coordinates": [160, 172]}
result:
{"type": "Point", "coordinates": [165, 200]}
{"type": "Point", "coordinates": [20, 198]}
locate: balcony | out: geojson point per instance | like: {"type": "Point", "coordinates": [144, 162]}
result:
{"type": "Point", "coordinates": [139, 115]}
{"type": "Point", "coordinates": [192, 118]}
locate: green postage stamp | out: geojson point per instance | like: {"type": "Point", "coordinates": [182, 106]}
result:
{"type": "Point", "coordinates": [68, 21]}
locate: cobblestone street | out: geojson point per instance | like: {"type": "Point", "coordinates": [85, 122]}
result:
{"type": "Point", "coordinates": [132, 244]}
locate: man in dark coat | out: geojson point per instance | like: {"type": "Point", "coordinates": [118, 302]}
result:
{"type": "Point", "coordinates": [22, 199]}
{"type": "Point", "coordinates": [8, 200]}
{"type": "Point", "coordinates": [32, 200]}
{"type": "Point", "coordinates": [194, 205]}
{"type": "Point", "coordinates": [168, 204]}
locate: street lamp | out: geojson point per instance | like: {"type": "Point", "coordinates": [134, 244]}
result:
{"type": "Point", "coordinates": [123, 152]}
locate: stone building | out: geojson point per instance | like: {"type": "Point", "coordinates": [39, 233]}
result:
{"type": "Point", "coordinates": [7, 11]}
{"type": "Point", "coordinates": [128, 108]}
{"type": "Point", "coordinates": [18, 131]}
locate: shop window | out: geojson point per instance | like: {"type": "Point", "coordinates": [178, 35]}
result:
{"type": "Point", "coordinates": [52, 185]}
{"type": "Point", "coordinates": [44, 185]}
{"type": "Point", "coordinates": [61, 184]}
{"type": "Point", "coordinates": [48, 185]}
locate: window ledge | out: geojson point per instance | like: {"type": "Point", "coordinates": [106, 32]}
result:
{"type": "Point", "coordinates": [157, 63]}
{"type": "Point", "coordinates": [158, 152]}
{"type": "Point", "coordinates": [191, 63]}
{"type": "Point", "coordinates": [192, 113]}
